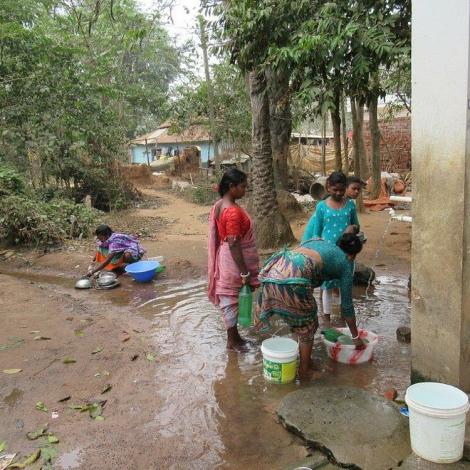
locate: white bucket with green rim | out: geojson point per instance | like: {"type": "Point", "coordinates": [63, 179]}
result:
{"type": "Point", "coordinates": [280, 359]}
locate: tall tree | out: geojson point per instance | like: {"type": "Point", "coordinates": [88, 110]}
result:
{"type": "Point", "coordinates": [210, 92]}
{"type": "Point", "coordinates": [280, 123]}
{"type": "Point", "coordinates": [249, 27]}
{"type": "Point", "coordinates": [270, 227]}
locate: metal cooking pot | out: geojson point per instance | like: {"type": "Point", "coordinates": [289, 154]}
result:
{"type": "Point", "coordinates": [83, 283]}
{"type": "Point", "coordinates": [106, 279]}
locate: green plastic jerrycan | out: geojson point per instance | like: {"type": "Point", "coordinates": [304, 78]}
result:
{"type": "Point", "coordinates": [245, 306]}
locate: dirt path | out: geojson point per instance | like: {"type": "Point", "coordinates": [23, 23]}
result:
{"type": "Point", "coordinates": [192, 405]}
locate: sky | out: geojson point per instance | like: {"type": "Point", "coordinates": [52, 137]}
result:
{"type": "Point", "coordinates": [182, 20]}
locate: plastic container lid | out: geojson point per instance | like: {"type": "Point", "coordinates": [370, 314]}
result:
{"type": "Point", "coordinates": [280, 348]}
{"type": "Point", "coordinates": [432, 397]}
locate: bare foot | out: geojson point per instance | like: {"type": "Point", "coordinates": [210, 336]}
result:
{"type": "Point", "coordinates": [239, 347]}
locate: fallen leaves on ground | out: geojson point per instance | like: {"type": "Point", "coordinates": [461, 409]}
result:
{"type": "Point", "coordinates": [106, 388]}
{"type": "Point", "coordinates": [41, 406]}
{"type": "Point", "coordinates": [48, 454]}
{"type": "Point", "coordinates": [151, 357]}
{"type": "Point", "coordinates": [97, 350]}
{"type": "Point", "coordinates": [94, 409]}
{"type": "Point", "coordinates": [5, 460]}
{"type": "Point", "coordinates": [27, 461]}
{"type": "Point", "coordinates": [33, 435]}
{"type": "Point", "coordinates": [3, 446]}
{"type": "Point", "coordinates": [52, 439]}
{"type": "Point", "coordinates": [69, 360]}
{"type": "Point", "coordinates": [12, 371]}
{"type": "Point", "coordinates": [41, 338]}
{"type": "Point", "coordinates": [64, 399]}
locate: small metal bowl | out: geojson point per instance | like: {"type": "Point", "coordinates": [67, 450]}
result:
{"type": "Point", "coordinates": [83, 283]}
{"type": "Point", "coordinates": [106, 278]}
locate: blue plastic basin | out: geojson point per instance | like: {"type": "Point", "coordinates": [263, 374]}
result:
{"type": "Point", "coordinates": [143, 271]}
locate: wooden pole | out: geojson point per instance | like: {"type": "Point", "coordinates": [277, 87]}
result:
{"type": "Point", "coordinates": [147, 153]}
{"type": "Point", "coordinates": [323, 146]}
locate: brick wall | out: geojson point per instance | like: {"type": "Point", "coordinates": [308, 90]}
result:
{"type": "Point", "coordinates": [395, 143]}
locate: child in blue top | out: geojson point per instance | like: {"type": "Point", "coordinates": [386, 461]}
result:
{"type": "Point", "coordinates": [333, 216]}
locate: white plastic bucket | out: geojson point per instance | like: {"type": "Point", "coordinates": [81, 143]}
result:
{"type": "Point", "coordinates": [348, 354]}
{"type": "Point", "coordinates": [437, 421]}
{"type": "Point", "coordinates": [280, 359]}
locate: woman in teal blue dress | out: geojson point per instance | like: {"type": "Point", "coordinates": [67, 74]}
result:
{"type": "Point", "coordinates": [288, 279]}
{"type": "Point", "coordinates": [333, 216]}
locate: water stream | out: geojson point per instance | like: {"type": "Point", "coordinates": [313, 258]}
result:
{"type": "Point", "coordinates": [220, 403]}
{"type": "Point", "coordinates": [216, 403]}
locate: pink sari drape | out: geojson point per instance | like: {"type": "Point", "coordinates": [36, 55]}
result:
{"type": "Point", "coordinates": [223, 272]}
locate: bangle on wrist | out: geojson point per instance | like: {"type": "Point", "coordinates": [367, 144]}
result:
{"type": "Point", "coordinates": [355, 337]}
{"type": "Point", "coordinates": [244, 276]}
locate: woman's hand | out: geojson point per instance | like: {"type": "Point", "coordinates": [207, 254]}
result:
{"type": "Point", "coordinates": [360, 345]}
{"type": "Point", "coordinates": [246, 278]}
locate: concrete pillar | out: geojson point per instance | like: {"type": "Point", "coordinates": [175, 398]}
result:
{"type": "Point", "coordinates": [441, 192]}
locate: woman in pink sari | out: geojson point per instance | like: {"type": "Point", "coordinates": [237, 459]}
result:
{"type": "Point", "coordinates": [233, 258]}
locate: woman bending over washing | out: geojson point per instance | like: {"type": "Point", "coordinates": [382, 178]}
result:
{"type": "Point", "coordinates": [114, 250]}
{"type": "Point", "coordinates": [288, 279]}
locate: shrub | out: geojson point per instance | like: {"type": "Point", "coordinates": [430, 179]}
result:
{"type": "Point", "coordinates": [11, 182]}
{"type": "Point", "coordinates": [202, 194]}
{"type": "Point", "coordinates": [29, 221]}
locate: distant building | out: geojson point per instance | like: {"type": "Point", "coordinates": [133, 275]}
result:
{"type": "Point", "coordinates": [310, 139]}
{"type": "Point", "coordinates": [161, 143]}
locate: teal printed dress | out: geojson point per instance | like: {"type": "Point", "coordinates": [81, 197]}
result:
{"type": "Point", "coordinates": [329, 224]}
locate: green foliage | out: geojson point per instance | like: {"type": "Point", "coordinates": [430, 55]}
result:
{"type": "Point", "coordinates": [11, 182]}
{"type": "Point", "coordinates": [202, 194]}
{"type": "Point", "coordinates": [231, 105]}
{"type": "Point", "coordinates": [77, 80]}
{"type": "Point", "coordinates": [328, 47]}
{"type": "Point", "coordinates": [25, 220]}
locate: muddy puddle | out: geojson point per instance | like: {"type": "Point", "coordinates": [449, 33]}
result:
{"type": "Point", "coordinates": [216, 404]}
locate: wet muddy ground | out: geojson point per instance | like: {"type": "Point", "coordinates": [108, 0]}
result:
{"type": "Point", "coordinates": [178, 398]}
{"type": "Point", "coordinates": [204, 407]}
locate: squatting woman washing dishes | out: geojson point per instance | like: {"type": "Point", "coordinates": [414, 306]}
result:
{"type": "Point", "coordinates": [233, 258]}
{"type": "Point", "coordinates": [288, 279]}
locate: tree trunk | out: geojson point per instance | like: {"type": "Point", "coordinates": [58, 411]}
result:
{"type": "Point", "coordinates": [280, 124]}
{"type": "Point", "coordinates": [375, 140]}
{"type": "Point", "coordinates": [365, 171]}
{"type": "Point", "coordinates": [210, 93]}
{"type": "Point", "coordinates": [323, 146]}
{"type": "Point", "coordinates": [344, 129]}
{"type": "Point", "coordinates": [357, 138]}
{"type": "Point", "coordinates": [271, 227]}
{"type": "Point", "coordinates": [336, 121]}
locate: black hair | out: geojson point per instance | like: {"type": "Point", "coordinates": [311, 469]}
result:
{"type": "Point", "coordinates": [103, 229]}
{"type": "Point", "coordinates": [337, 177]}
{"type": "Point", "coordinates": [350, 243]}
{"type": "Point", "coordinates": [354, 179]}
{"type": "Point", "coordinates": [231, 176]}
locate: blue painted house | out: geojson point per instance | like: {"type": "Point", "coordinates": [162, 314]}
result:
{"type": "Point", "coordinates": [160, 143]}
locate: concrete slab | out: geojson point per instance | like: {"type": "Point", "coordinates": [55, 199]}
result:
{"type": "Point", "coordinates": [351, 426]}
{"type": "Point", "coordinates": [415, 463]}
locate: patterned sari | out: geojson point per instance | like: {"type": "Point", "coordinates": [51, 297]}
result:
{"type": "Point", "coordinates": [223, 273]}
{"type": "Point", "coordinates": [118, 244]}
{"type": "Point", "coordinates": [288, 279]}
